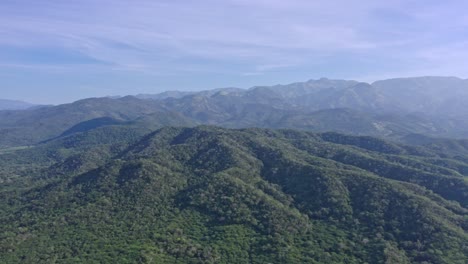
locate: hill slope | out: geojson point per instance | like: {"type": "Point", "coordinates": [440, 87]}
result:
{"type": "Point", "coordinates": [28, 127]}
{"type": "Point", "coordinates": [431, 106]}
{"type": "Point", "coordinates": [213, 195]}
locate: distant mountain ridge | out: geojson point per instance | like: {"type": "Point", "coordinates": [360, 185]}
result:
{"type": "Point", "coordinates": [394, 108]}
{"type": "Point", "coordinates": [434, 95]}
{"type": "Point", "coordinates": [14, 105]}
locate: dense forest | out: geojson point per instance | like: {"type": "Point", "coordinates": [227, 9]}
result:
{"type": "Point", "coordinates": [123, 193]}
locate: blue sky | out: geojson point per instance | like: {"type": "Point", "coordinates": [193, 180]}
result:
{"type": "Point", "coordinates": [58, 51]}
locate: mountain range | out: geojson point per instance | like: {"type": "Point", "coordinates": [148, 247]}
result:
{"type": "Point", "coordinates": [395, 108]}
{"type": "Point", "coordinates": [324, 171]}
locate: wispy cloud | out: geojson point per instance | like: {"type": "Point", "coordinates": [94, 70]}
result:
{"type": "Point", "coordinates": [233, 30]}
{"type": "Point", "coordinates": [237, 37]}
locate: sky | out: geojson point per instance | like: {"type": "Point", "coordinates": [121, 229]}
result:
{"type": "Point", "coordinates": [57, 51]}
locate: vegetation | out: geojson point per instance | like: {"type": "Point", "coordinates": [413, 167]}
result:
{"type": "Point", "coordinates": [392, 109]}
{"type": "Point", "coordinates": [214, 195]}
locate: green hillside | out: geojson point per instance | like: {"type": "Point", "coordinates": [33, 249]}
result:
{"type": "Point", "coordinates": [115, 194]}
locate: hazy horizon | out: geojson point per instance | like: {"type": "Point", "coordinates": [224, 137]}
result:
{"type": "Point", "coordinates": [61, 51]}
{"type": "Point", "coordinates": [205, 89]}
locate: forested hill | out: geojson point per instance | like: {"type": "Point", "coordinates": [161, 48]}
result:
{"type": "Point", "coordinates": [391, 109]}
{"type": "Point", "coordinates": [116, 194]}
